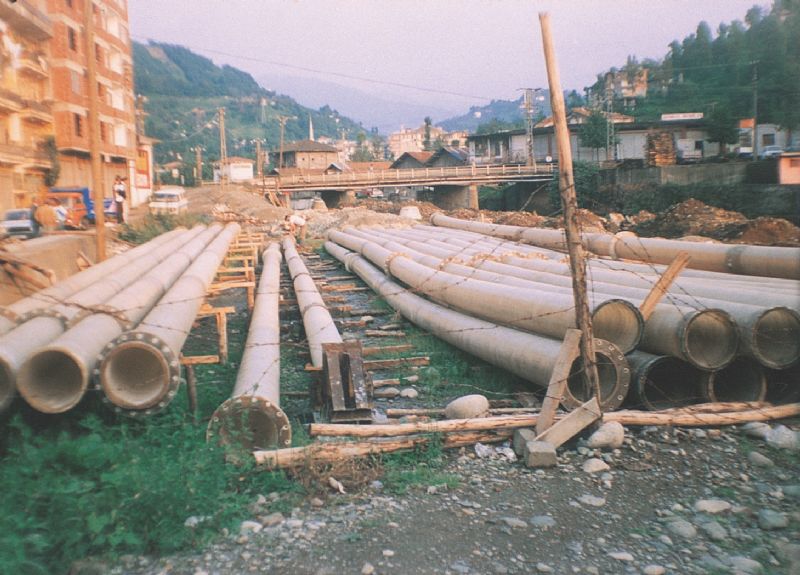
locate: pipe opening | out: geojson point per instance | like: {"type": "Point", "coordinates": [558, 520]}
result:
{"type": "Point", "coordinates": [776, 338]}
{"type": "Point", "coordinates": [135, 375]}
{"type": "Point", "coordinates": [668, 382]}
{"type": "Point", "coordinates": [252, 425]}
{"type": "Point", "coordinates": [742, 380]}
{"type": "Point", "coordinates": [783, 386]}
{"type": "Point", "coordinates": [620, 323]}
{"type": "Point", "coordinates": [606, 373]}
{"type": "Point", "coordinates": [709, 339]}
{"type": "Point", "coordinates": [52, 381]}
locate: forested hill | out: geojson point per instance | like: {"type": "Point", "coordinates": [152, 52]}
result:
{"type": "Point", "coordinates": [184, 91]}
{"type": "Point", "coordinates": [713, 71]}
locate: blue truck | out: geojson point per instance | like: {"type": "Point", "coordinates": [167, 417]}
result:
{"type": "Point", "coordinates": [79, 206]}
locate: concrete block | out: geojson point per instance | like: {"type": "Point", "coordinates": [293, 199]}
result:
{"type": "Point", "coordinates": [521, 437]}
{"type": "Point", "coordinates": [540, 454]}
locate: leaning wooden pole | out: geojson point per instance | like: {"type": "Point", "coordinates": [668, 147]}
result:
{"type": "Point", "coordinates": [566, 185]}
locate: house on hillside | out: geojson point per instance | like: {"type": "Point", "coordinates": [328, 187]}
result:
{"type": "Point", "coordinates": [447, 157]}
{"type": "Point", "coordinates": [305, 154]}
{"type": "Point", "coordinates": [410, 160]}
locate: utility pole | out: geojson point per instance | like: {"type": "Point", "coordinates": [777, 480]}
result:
{"type": "Point", "coordinates": [258, 158]}
{"type": "Point", "coordinates": [198, 161]}
{"type": "Point", "coordinates": [755, 109]}
{"type": "Point", "coordinates": [566, 184]}
{"type": "Point", "coordinates": [223, 150]}
{"type": "Point", "coordinates": [94, 131]}
{"type": "Point", "coordinates": [609, 122]}
{"type": "Point", "coordinates": [528, 105]}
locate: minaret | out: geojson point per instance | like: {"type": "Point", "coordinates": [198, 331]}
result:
{"type": "Point", "coordinates": [310, 129]}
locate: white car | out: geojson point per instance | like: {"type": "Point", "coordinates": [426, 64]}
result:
{"type": "Point", "coordinates": [170, 200]}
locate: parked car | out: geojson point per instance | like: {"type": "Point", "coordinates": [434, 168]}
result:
{"type": "Point", "coordinates": [169, 200]}
{"type": "Point", "coordinates": [770, 152]}
{"type": "Point", "coordinates": [19, 223]}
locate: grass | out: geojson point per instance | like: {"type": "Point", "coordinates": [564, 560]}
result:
{"type": "Point", "coordinates": [153, 225]}
{"type": "Point", "coordinates": [422, 466]}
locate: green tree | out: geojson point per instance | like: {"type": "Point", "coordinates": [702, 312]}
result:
{"type": "Point", "coordinates": [594, 133]}
{"type": "Point", "coordinates": [426, 142]}
{"type": "Point", "coordinates": [362, 153]}
{"type": "Point", "coordinates": [722, 127]}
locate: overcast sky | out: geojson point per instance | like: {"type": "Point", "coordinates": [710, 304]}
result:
{"type": "Point", "coordinates": [479, 49]}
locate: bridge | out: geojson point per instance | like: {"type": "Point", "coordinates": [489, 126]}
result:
{"type": "Point", "coordinates": [455, 185]}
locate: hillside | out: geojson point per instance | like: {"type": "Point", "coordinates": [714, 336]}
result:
{"type": "Point", "coordinates": [184, 91]}
{"type": "Point", "coordinates": [499, 114]}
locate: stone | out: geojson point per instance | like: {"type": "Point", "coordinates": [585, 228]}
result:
{"type": "Point", "coordinates": [543, 568]}
{"type": "Point", "coordinates": [272, 519]}
{"type": "Point", "coordinates": [514, 522]}
{"type": "Point", "coordinates": [499, 568]}
{"type": "Point", "coordinates": [388, 553]}
{"type": "Point", "coordinates": [621, 555]}
{"type": "Point", "coordinates": [714, 531]}
{"type": "Point", "coordinates": [654, 570]}
{"type": "Point", "coordinates": [759, 460]}
{"type": "Point", "coordinates": [459, 567]}
{"type": "Point", "coordinates": [506, 452]}
{"type": "Point", "coordinates": [250, 527]}
{"type": "Point", "coordinates": [782, 437]}
{"type": "Point", "coordinates": [788, 552]}
{"type": "Point", "coordinates": [770, 520]}
{"type": "Point", "coordinates": [746, 565]}
{"type": "Point", "coordinates": [792, 491]}
{"type": "Point", "coordinates": [368, 569]}
{"type": "Point", "coordinates": [592, 500]}
{"type": "Point", "coordinates": [595, 465]}
{"type": "Point", "coordinates": [409, 393]}
{"type": "Point", "coordinates": [540, 454]}
{"type": "Point", "coordinates": [467, 407]}
{"type": "Point", "coordinates": [711, 506]}
{"type": "Point", "coordinates": [610, 435]}
{"type": "Point", "coordinates": [682, 528]}
{"type": "Point", "coordinates": [386, 392]}
{"type": "Point", "coordinates": [543, 521]}
{"type": "Point", "coordinates": [483, 451]}
{"type": "Point", "coordinates": [317, 502]}
{"type": "Point", "coordinates": [757, 429]}
{"type": "Point", "coordinates": [521, 437]}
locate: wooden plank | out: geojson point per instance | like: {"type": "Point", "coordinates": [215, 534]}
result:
{"type": "Point", "coordinates": [333, 372]}
{"type": "Point", "coordinates": [374, 364]}
{"type": "Point", "coordinates": [570, 349]}
{"type": "Point", "coordinates": [386, 382]}
{"type": "Point", "coordinates": [571, 425]}
{"type": "Point", "coordinates": [378, 333]}
{"type": "Point", "coordinates": [661, 287]}
{"type": "Point", "coordinates": [387, 349]}
{"type": "Point", "coordinates": [445, 426]}
{"type": "Point", "coordinates": [222, 330]}
{"type": "Point", "coordinates": [199, 359]}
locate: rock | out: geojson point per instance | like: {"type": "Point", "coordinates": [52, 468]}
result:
{"type": "Point", "coordinates": [654, 570]}
{"type": "Point", "coordinates": [467, 407]}
{"type": "Point", "coordinates": [250, 527]}
{"type": "Point", "coordinates": [411, 379]}
{"type": "Point", "coordinates": [88, 567]}
{"type": "Point", "coordinates": [592, 500]}
{"type": "Point", "coordinates": [595, 465]}
{"type": "Point", "coordinates": [411, 212]}
{"type": "Point", "coordinates": [746, 565]}
{"type": "Point", "coordinates": [682, 528]}
{"type": "Point", "coordinates": [459, 567]}
{"type": "Point", "coordinates": [317, 502]}
{"type": "Point", "coordinates": [714, 531]}
{"type": "Point", "coordinates": [506, 452]}
{"type": "Point", "coordinates": [540, 454]}
{"type": "Point", "coordinates": [272, 519]}
{"type": "Point", "coordinates": [770, 520]}
{"type": "Point", "coordinates": [621, 555]}
{"type": "Point", "coordinates": [521, 437]}
{"type": "Point", "coordinates": [757, 429]}
{"type": "Point", "coordinates": [294, 523]}
{"type": "Point", "coordinates": [792, 491]}
{"type": "Point", "coordinates": [368, 569]}
{"type": "Point", "coordinates": [759, 460]}
{"type": "Point", "coordinates": [388, 553]}
{"type": "Point", "coordinates": [376, 485]}
{"type": "Point", "coordinates": [543, 568]}
{"type": "Point", "coordinates": [784, 438]}
{"type": "Point", "coordinates": [483, 451]}
{"type": "Point", "coordinates": [499, 568]}
{"type": "Point", "coordinates": [409, 392]}
{"type": "Point", "coordinates": [514, 522]}
{"type": "Point", "coordinates": [194, 521]}
{"type": "Point", "coordinates": [386, 392]}
{"type": "Point", "coordinates": [543, 521]}
{"type": "Point", "coordinates": [367, 318]}
{"type": "Point", "coordinates": [788, 552]}
{"type": "Point", "coordinates": [611, 435]}
{"type": "Point", "coordinates": [711, 506]}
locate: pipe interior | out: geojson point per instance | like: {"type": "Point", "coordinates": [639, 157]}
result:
{"type": "Point", "coordinates": [670, 382]}
{"type": "Point", "coordinates": [710, 339]}
{"type": "Point", "coordinates": [606, 373]}
{"type": "Point", "coordinates": [776, 337]}
{"type": "Point", "coordinates": [783, 386]}
{"type": "Point", "coordinates": [742, 380]}
{"type": "Point", "coordinates": [618, 322]}
{"type": "Point", "coordinates": [135, 376]}
{"type": "Point", "coordinates": [250, 428]}
{"type": "Point", "coordinates": [51, 381]}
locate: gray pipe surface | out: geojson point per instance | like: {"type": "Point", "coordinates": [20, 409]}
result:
{"type": "Point", "coordinates": [140, 371]}
{"type": "Point", "coordinates": [252, 418]}
{"type": "Point", "coordinates": [41, 325]}
{"type": "Point", "coordinates": [528, 356]}
{"type": "Point", "coordinates": [55, 378]}
{"type": "Point", "coordinates": [317, 320]}
{"type": "Point", "coordinates": [664, 382]}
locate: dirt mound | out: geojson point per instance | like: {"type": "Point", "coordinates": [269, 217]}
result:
{"type": "Point", "coordinates": [381, 206]}
{"type": "Point", "coordinates": [234, 204]}
{"type": "Point", "coordinates": [694, 218]}
{"type": "Point", "coordinates": [770, 232]}
{"type": "Point", "coordinates": [320, 222]}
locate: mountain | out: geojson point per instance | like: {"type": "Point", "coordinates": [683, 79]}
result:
{"type": "Point", "coordinates": [184, 91]}
{"type": "Point", "coordinates": [499, 112]}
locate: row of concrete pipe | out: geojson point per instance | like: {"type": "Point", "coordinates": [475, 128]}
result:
{"type": "Point", "coordinates": [694, 338]}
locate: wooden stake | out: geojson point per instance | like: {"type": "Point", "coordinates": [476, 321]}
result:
{"type": "Point", "coordinates": [448, 425]}
{"type": "Point", "coordinates": [387, 349]}
{"type": "Point", "coordinates": [570, 349]}
{"type": "Point", "coordinates": [399, 412]}
{"type": "Point", "coordinates": [675, 267]}
{"type": "Point", "coordinates": [569, 206]}
{"type": "Point", "coordinates": [571, 425]}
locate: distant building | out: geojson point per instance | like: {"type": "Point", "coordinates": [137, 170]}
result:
{"type": "Point", "coordinates": [413, 139]}
{"type": "Point", "coordinates": [409, 160]}
{"type": "Point", "coordinates": [789, 168]}
{"type": "Point", "coordinates": [448, 157]}
{"type": "Point", "coordinates": [625, 86]}
{"type": "Point", "coordinates": [238, 169]}
{"type": "Point", "coordinates": [306, 154]}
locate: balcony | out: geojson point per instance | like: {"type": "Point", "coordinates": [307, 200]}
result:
{"type": "Point", "coordinates": [33, 66]}
{"type": "Point", "coordinates": [36, 113]}
{"type": "Point", "coordinates": [16, 155]}
{"type": "Point", "coordinates": [26, 19]}
{"type": "Point", "coordinates": [10, 102]}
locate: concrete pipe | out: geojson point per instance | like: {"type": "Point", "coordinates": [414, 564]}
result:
{"type": "Point", "coordinates": [663, 382]}
{"type": "Point", "coordinates": [252, 418]}
{"type": "Point", "coordinates": [140, 371]}
{"type": "Point", "coordinates": [44, 324]}
{"type": "Point", "coordinates": [778, 262]}
{"type": "Point", "coordinates": [55, 378]}
{"type": "Point", "coordinates": [19, 311]}
{"type": "Point", "coordinates": [317, 320]}
{"type": "Point", "coordinates": [742, 380]}
{"type": "Point", "coordinates": [783, 386]}
{"type": "Point", "coordinates": [531, 357]}
{"type": "Point", "coordinates": [544, 312]}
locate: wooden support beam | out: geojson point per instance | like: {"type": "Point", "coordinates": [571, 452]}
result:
{"type": "Point", "coordinates": [199, 359]}
{"type": "Point", "coordinates": [570, 349]}
{"type": "Point", "coordinates": [378, 333]}
{"type": "Point", "coordinates": [375, 350]}
{"type": "Point", "coordinates": [571, 425]}
{"type": "Point", "coordinates": [445, 426]}
{"type": "Point", "coordinates": [661, 287]}
{"type": "Point", "coordinates": [191, 388]}
{"type": "Point", "coordinates": [402, 412]}
{"type": "Point", "coordinates": [375, 364]}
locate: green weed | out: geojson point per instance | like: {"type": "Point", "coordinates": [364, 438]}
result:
{"type": "Point", "coordinates": [153, 225]}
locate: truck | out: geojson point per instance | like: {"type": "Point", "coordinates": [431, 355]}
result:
{"type": "Point", "coordinates": [689, 151]}
{"type": "Point", "coordinates": [79, 206]}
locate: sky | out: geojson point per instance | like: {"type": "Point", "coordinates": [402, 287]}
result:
{"type": "Point", "coordinates": [451, 53]}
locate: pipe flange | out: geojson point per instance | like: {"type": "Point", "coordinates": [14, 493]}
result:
{"type": "Point", "coordinates": [616, 388]}
{"type": "Point", "coordinates": [267, 424]}
{"type": "Point", "coordinates": [115, 313]}
{"type": "Point", "coordinates": [44, 312]}
{"type": "Point", "coordinates": [387, 265]}
{"type": "Point", "coordinates": [349, 258]}
{"type": "Point", "coordinates": [304, 309]}
{"type": "Point", "coordinates": [733, 259]}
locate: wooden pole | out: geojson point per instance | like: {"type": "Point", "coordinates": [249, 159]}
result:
{"type": "Point", "coordinates": [94, 131]}
{"type": "Point", "coordinates": [570, 349]}
{"type": "Point", "coordinates": [569, 206]}
{"type": "Point", "coordinates": [660, 288]}
{"type": "Point", "coordinates": [447, 425]}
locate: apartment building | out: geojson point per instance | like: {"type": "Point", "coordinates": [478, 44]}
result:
{"type": "Point", "coordinates": [26, 120]}
{"type": "Point", "coordinates": [413, 139]}
{"type": "Point", "coordinates": [114, 88]}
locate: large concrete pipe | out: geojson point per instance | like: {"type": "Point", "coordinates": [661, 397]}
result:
{"type": "Point", "coordinates": [783, 385]}
{"type": "Point", "coordinates": [548, 313]}
{"type": "Point", "coordinates": [43, 324]}
{"type": "Point", "coordinates": [526, 355]}
{"type": "Point", "coordinates": [663, 382]}
{"type": "Point", "coordinates": [16, 313]}
{"type": "Point", "coordinates": [742, 380]}
{"type": "Point", "coordinates": [55, 378]}
{"type": "Point", "coordinates": [778, 262]}
{"type": "Point", "coordinates": [317, 320]}
{"type": "Point", "coordinates": [707, 338]}
{"type": "Point", "coordinates": [252, 418]}
{"type": "Point", "coordinates": [140, 371]}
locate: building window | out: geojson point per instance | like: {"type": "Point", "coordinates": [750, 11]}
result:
{"type": "Point", "coordinates": [768, 139]}
{"type": "Point", "coordinates": [78, 125]}
{"type": "Point", "coordinates": [72, 38]}
{"type": "Point", "coordinates": [103, 131]}
{"type": "Point", "coordinates": [69, 3]}
{"type": "Point", "coordinates": [76, 81]}
{"type": "Point", "coordinates": [98, 54]}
